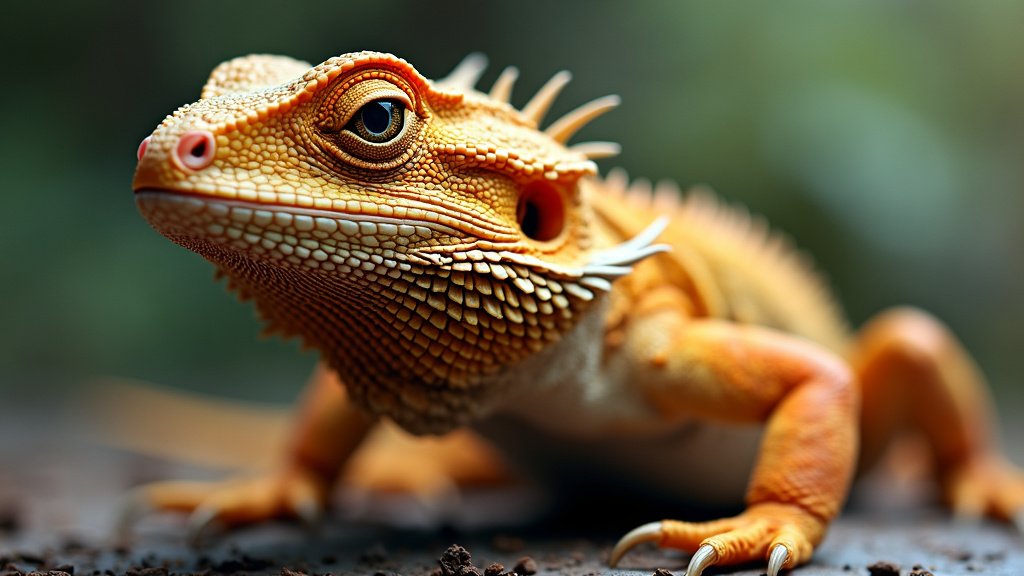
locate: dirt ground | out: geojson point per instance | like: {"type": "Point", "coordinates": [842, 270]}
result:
{"type": "Point", "coordinates": [60, 494]}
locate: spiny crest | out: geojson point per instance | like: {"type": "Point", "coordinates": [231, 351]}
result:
{"type": "Point", "coordinates": [699, 206]}
{"type": "Point", "coordinates": [703, 214]}
{"type": "Point", "coordinates": [532, 275]}
{"type": "Point", "coordinates": [467, 73]}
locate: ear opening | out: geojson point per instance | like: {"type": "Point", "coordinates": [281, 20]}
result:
{"type": "Point", "coordinates": [541, 212]}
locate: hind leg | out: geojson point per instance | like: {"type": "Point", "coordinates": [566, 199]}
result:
{"type": "Point", "coordinates": [429, 468]}
{"type": "Point", "coordinates": [913, 372]}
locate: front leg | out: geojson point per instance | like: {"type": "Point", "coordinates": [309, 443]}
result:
{"type": "Point", "coordinates": [713, 369]}
{"type": "Point", "coordinates": [328, 428]}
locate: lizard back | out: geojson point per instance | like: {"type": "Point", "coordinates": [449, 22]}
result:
{"type": "Point", "coordinates": [729, 263]}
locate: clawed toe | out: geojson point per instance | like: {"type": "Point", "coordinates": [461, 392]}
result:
{"type": "Point", "coordinates": [704, 556]}
{"type": "Point", "coordinates": [777, 559]}
{"type": "Point", "coordinates": [274, 495]}
{"type": "Point", "coordinates": [783, 536]}
{"type": "Point", "coordinates": [647, 533]}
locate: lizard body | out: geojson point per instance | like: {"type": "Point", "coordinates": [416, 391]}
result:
{"type": "Point", "coordinates": [457, 266]}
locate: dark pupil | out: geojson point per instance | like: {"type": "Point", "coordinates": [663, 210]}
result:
{"type": "Point", "coordinates": [376, 117]}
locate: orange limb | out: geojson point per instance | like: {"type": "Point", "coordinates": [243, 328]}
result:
{"type": "Point", "coordinates": [914, 373]}
{"type": "Point", "coordinates": [737, 373]}
{"type": "Point", "coordinates": [332, 440]}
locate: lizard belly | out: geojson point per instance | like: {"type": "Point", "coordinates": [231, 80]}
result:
{"type": "Point", "coordinates": [697, 463]}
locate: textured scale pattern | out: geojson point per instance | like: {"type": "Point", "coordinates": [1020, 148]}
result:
{"type": "Point", "coordinates": [447, 323]}
{"type": "Point", "coordinates": [415, 243]}
{"type": "Point", "coordinates": [452, 260]}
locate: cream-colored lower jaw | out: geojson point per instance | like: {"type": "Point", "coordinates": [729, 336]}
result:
{"type": "Point", "coordinates": [290, 236]}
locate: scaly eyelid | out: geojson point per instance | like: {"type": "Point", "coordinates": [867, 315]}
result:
{"type": "Point", "coordinates": [396, 94]}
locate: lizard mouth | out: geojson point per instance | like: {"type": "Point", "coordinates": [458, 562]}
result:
{"type": "Point", "coordinates": [291, 236]}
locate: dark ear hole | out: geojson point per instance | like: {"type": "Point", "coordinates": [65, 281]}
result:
{"type": "Point", "coordinates": [541, 213]}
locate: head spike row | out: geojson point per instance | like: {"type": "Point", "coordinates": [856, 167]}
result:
{"type": "Point", "coordinates": [566, 126]}
{"type": "Point", "coordinates": [596, 150]}
{"type": "Point", "coordinates": [538, 106]}
{"type": "Point", "coordinates": [466, 73]}
{"type": "Point", "coordinates": [604, 266]}
{"type": "Point", "coordinates": [502, 89]}
{"type": "Point", "coordinates": [631, 251]}
{"type": "Point", "coordinates": [616, 180]}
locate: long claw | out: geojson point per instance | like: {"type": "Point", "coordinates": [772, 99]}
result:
{"type": "Point", "coordinates": [704, 557]}
{"type": "Point", "coordinates": [199, 522]}
{"type": "Point", "coordinates": [308, 511]}
{"type": "Point", "coordinates": [134, 508]}
{"type": "Point", "coordinates": [646, 533]}
{"type": "Point", "coordinates": [777, 559]}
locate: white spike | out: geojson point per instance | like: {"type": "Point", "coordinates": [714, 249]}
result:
{"type": "Point", "coordinates": [596, 283]}
{"type": "Point", "coordinates": [606, 270]}
{"type": "Point", "coordinates": [502, 89]}
{"type": "Point", "coordinates": [466, 73]}
{"type": "Point", "coordinates": [636, 248]}
{"type": "Point", "coordinates": [596, 150]}
{"type": "Point", "coordinates": [538, 106]}
{"type": "Point", "coordinates": [578, 291]}
{"type": "Point", "coordinates": [564, 128]}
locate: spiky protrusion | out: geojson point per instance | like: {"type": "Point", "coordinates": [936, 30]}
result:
{"type": "Point", "coordinates": [466, 73]}
{"type": "Point", "coordinates": [538, 106]}
{"type": "Point", "coordinates": [502, 89]}
{"type": "Point", "coordinates": [564, 128]}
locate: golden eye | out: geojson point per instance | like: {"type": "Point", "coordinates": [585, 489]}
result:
{"type": "Point", "coordinates": [371, 124]}
{"type": "Point", "coordinates": [379, 121]}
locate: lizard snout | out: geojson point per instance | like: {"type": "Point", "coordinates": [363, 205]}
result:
{"type": "Point", "coordinates": [142, 147]}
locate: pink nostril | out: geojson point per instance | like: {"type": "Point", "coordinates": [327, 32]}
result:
{"type": "Point", "coordinates": [142, 147]}
{"type": "Point", "coordinates": [195, 150]}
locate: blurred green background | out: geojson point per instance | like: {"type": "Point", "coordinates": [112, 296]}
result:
{"type": "Point", "coordinates": [886, 137]}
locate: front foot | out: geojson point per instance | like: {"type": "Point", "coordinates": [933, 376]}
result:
{"type": "Point", "coordinates": [782, 535]}
{"type": "Point", "coordinates": [989, 486]}
{"type": "Point", "coordinates": [289, 493]}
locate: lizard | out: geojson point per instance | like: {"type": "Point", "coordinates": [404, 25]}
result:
{"type": "Point", "coordinates": [457, 267]}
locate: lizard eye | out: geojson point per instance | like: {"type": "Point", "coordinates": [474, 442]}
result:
{"type": "Point", "coordinates": [370, 124]}
{"type": "Point", "coordinates": [379, 121]}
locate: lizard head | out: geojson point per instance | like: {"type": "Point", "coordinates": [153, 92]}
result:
{"type": "Point", "coordinates": [422, 235]}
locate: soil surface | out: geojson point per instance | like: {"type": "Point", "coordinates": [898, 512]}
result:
{"type": "Point", "coordinates": [60, 495]}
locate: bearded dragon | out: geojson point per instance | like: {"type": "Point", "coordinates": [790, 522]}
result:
{"type": "Point", "coordinates": [459, 268]}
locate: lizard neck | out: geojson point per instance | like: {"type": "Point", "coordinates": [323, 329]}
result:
{"type": "Point", "coordinates": [419, 324]}
{"type": "Point", "coordinates": [427, 347]}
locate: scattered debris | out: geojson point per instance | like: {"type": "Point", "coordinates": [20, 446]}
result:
{"type": "Point", "coordinates": [146, 571]}
{"type": "Point", "coordinates": [884, 569]}
{"type": "Point", "coordinates": [457, 561]}
{"type": "Point", "coordinates": [10, 519]}
{"type": "Point", "coordinates": [525, 566]}
{"type": "Point", "coordinates": [507, 544]}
